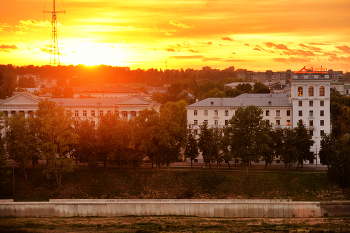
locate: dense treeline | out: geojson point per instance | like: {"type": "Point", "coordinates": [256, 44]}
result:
{"type": "Point", "coordinates": [52, 135]}
{"type": "Point", "coordinates": [249, 138]}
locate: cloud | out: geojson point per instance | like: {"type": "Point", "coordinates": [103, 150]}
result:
{"type": "Point", "coordinates": [315, 49]}
{"type": "Point", "coordinates": [207, 43]}
{"type": "Point", "coordinates": [186, 43]}
{"type": "Point", "coordinates": [4, 26]}
{"type": "Point", "coordinates": [291, 60]}
{"type": "Point", "coordinates": [299, 52]}
{"type": "Point", "coordinates": [171, 50]}
{"type": "Point", "coordinates": [344, 48]}
{"type": "Point", "coordinates": [339, 59]}
{"type": "Point", "coordinates": [7, 48]}
{"type": "Point", "coordinates": [227, 38]}
{"type": "Point", "coordinates": [188, 57]}
{"type": "Point", "coordinates": [46, 50]}
{"type": "Point", "coordinates": [276, 46]}
{"type": "Point", "coordinates": [233, 53]}
{"type": "Point", "coordinates": [257, 49]}
{"type": "Point", "coordinates": [319, 43]}
{"type": "Point", "coordinates": [193, 51]}
{"type": "Point", "coordinates": [246, 44]}
{"type": "Point", "coordinates": [178, 24]}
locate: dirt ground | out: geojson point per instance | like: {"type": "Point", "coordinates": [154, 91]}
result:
{"type": "Point", "coordinates": [174, 224]}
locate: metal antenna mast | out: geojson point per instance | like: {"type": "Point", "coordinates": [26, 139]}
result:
{"type": "Point", "coordinates": [54, 51]}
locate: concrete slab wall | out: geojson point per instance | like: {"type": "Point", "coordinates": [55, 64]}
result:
{"type": "Point", "coordinates": [202, 208]}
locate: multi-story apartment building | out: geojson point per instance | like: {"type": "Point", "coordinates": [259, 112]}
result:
{"type": "Point", "coordinates": [309, 101]}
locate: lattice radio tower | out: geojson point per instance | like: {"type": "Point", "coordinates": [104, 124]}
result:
{"type": "Point", "coordinates": [54, 51]}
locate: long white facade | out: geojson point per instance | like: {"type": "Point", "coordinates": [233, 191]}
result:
{"type": "Point", "coordinates": [309, 101]}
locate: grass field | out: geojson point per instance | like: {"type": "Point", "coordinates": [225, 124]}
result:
{"type": "Point", "coordinates": [180, 184]}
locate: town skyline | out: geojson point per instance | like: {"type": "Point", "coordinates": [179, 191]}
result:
{"type": "Point", "coordinates": [264, 35]}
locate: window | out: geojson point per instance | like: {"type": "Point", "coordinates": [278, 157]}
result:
{"type": "Point", "coordinates": [116, 113]}
{"type": "Point", "coordinates": [322, 132]}
{"type": "Point", "coordinates": [195, 112]}
{"type": "Point", "coordinates": [278, 112]}
{"type": "Point", "coordinates": [125, 114]}
{"type": "Point", "coordinates": [267, 112]}
{"type": "Point", "coordinates": [311, 132]}
{"type": "Point", "coordinates": [278, 122]}
{"type": "Point", "coordinates": [300, 91]}
{"type": "Point", "coordinates": [205, 112]}
{"type": "Point", "coordinates": [321, 122]}
{"type": "Point", "coordinates": [216, 112]}
{"type": "Point", "coordinates": [226, 112]}
{"type": "Point", "coordinates": [267, 122]}
{"type": "Point", "coordinates": [288, 122]}
{"type": "Point", "coordinates": [68, 112]}
{"type": "Point", "coordinates": [109, 113]}
{"type": "Point", "coordinates": [92, 113]}
{"type": "Point", "coordinates": [195, 122]}
{"type": "Point", "coordinates": [300, 103]}
{"type": "Point", "coordinates": [311, 91]}
{"type": "Point", "coordinates": [216, 123]}
{"type": "Point", "coordinates": [101, 112]}
{"type": "Point", "coordinates": [226, 122]}
{"type": "Point", "coordinates": [321, 103]}
{"type": "Point", "coordinates": [321, 90]}
{"type": "Point", "coordinates": [84, 113]}
{"type": "Point", "coordinates": [311, 113]}
{"type": "Point", "coordinates": [322, 113]}
{"type": "Point", "coordinates": [311, 123]}
{"type": "Point", "coordinates": [76, 113]}
{"type": "Point", "coordinates": [288, 112]}
{"type": "Point", "coordinates": [311, 103]}
{"type": "Point", "coordinates": [300, 113]}
{"type": "Point", "coordinates": [195, 132]}
{"type": "Point", "coordinates": [205, 122]}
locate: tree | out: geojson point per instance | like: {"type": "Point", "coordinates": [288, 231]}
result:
{"type": "Point", "coordinates": [328, 149]}
{"type": "Point", "coordinates": [232, 92]}
{"type": "Point", "coordinates": [304, 142]}
{"type": "Point", "coordinates": [191, 150]}
{"type": "Point", "coordinates": [339, 163]}
{"type": "Point", "coordinates": [245, 87]}
{"type": "Point", "coordinates": [266, 143]}
{"type": "Point", "coordinates": [86, 149]}
{"type": "Point", "coordinates": [288, 153]}
{"type": "Point", "coordinates": [21, 141]}
{"type": "Point", "coordinates": [227, 155]}
{"type": "Point", "coordinates": [57, 138]}
{"type": "Point", "coordinates": [5, 173]}
{"type": "Point", "coordinates": [205, 143]}
{"type": "Point", "coordinates": [260, 88]}
{"type": "Point", "coordinates": [245, 130]}
{"type": "Point", "coordinates": [68, 92]}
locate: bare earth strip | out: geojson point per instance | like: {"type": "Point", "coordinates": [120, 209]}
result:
{"type": "Point", "coordinates": [174, 224]}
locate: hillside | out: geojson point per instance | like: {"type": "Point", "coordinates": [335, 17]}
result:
{"type": "Point", "coordinates": [144, 184]}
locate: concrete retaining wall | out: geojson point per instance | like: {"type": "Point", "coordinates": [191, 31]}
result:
{"type": "Point", "coordinates": [203, 208]}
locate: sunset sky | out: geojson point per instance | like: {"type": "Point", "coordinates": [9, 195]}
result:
{"type": "Point", "coordinates": [256, 35]}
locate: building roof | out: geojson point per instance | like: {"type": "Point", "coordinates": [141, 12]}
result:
{"type": "Point", "coordinates": [99, 89]}
{"type": "Point", "coordinates": [244, 100]}
{"type": "Point", "coordinates": [106, 102]}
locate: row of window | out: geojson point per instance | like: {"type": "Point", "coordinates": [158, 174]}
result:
{"type": "Point", "coordinates": [216, 112]}
{"type": "Point", "coordinates": [311, 103]}
{"type": "Point", "coordinates": [278, 112]}
{"type": "Point", "coordinates": [101, 113]}
{"type": "Point", "coordinates": [311, 91]}
{"type": "Point", "coordinates": [278, 122]}
{"type": "Point", "coordinates": [311, 113]}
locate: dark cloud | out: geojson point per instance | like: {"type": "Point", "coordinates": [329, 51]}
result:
{"type": "Point", "coordinates": [233, 53]}
{"type": "Point", "coordinates": [227, 38]}
{"type": "Point", "coordinates": [246, 44]}
{"type": "Point", "coordinates": [344, 48]}
{"type": "Point", "coordinates": [207, 43]}
{"type": "Point", "coordinates": [315, 49]}
{"type": "Point", "coordinates": [7, 48]}
{"type": "Point", "coordinates": [339, 59]}
{"type": "Point", "coordinates": [299, 52]}
{"type": "Point", "coordinates": [232, 60]}
{"type": "Point", "coordinates": [170, 50]}
{"type": "Point", "coordinates": [291, 60]}
{"type": "Point", "coordinates": [193, 51]}
{"type": "Point", "coordinates": [257, 49]}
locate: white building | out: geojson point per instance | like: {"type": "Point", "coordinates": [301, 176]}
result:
{"type": "Point", "coordinates": [309, 101]}
{"type": "Point", "coordinates": [127, 107]}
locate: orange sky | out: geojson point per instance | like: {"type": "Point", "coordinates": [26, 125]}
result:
{"type": "Point", "coordinates": [256, 34]}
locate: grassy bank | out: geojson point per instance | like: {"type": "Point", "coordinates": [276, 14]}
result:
{"type": "Point", "coordinates": [306, 186]}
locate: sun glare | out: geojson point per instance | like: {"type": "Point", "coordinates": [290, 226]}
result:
{"type": "Point", "coordinates": [91, 54]}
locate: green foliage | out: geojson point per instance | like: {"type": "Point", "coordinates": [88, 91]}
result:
{"type": "Point", "coordinates": [260, 88]}
{"type": "Point", "coordinates": [245, 130]}
{"type": "Point", "coordinates": [244, 87]}
{"type": "Point", "coordinates": [304, 142]}
{"type": "Point", "coordinates": [328, 149]}
{"type": "Point", "coordinates": [21, 141]}
{"type": "Point", "coordinates": [339, 169]}
{"type": "Point", "coordinates": [191, 150]}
